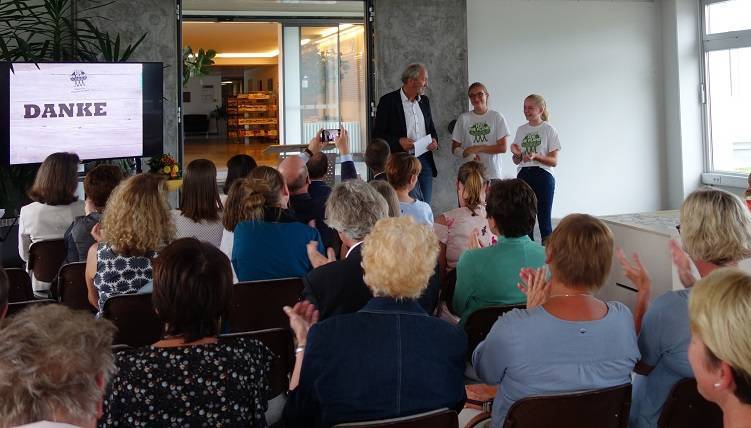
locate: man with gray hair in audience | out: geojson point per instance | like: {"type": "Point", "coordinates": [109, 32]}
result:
{"type": "Point", "coordinates": [54, 366]}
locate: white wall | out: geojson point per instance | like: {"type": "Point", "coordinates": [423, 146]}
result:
{"type": "Point", "coordinates": [197, 104]}
{"type": "Point", "coordinates": [599, 65]}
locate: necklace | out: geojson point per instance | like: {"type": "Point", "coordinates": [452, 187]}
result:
{"type": "Point", "coordinates": [570, 295]}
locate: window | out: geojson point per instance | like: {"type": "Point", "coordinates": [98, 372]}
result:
{"type": "Point", "coordinates": [727, 69]}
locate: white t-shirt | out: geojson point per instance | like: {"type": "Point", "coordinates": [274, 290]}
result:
{"type": "Point", "coordinates": [419, 210]}
{"type": "Point", "coordinates": [541, 139]}
{"type": "Point", "coordinates": [482, 129]}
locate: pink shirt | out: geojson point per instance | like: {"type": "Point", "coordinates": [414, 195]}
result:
{"type": "Point", "coordinates": [459, 225]}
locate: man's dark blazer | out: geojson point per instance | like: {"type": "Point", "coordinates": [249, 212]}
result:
{"type": "Point", "coordinates": [338, 288]}
{"type": "Point", "coordinates": [391, 126]}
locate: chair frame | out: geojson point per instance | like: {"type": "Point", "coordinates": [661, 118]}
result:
{"type": "Point", "coordinates": [240, 319]}
{"type": "Point", "coordinates": [47, 272]}
{"type": "Point", "coordinates": [476, 328]}
{"type": "Point", "coordinates": [127, 336]}
{"type": "Point", "coordinates": [675, 406]}
{"type": "Point", "coordinates": [15, 275]}
{"type": "Point", "coordinates": [426, 419]}
{"type": "Point", "coordinates": [16, 307]}
{"type": "Point", "coordinates": [60, 290]}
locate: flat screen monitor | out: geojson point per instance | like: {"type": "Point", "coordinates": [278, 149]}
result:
{"type": "Point", "coordinates": [96, 110]}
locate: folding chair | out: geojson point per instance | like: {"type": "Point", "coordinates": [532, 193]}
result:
{"type": "Point", "coordinates": [480, 322]}
{"type": "Point", "coordinates": [45, 259]}
{"type": "Point", "coordinates": [16, 307]}
{"type": "Point", "coordinates": [686, 408]}
{"type": "Point", "coordinates": [71, 287]}
{"type": "Point", "coordinates": [441, 418]}
{"type": "Point", "coordinates": [20, 285]}
{"type": "Point", "coordinates": [257, 305]}
{"type": "Point", "coordinates": [136, 321]}
{"type": "Point", "coordinates": [279, 341]}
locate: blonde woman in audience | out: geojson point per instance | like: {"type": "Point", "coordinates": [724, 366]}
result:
{"type": "Point", "coordinates": [219, 384]}
{"type": "Point", "coordinates": [566, 340]}
{"type": "Point", "coordinates": [716, 231]}
{"type": "Point", "coordinates": [454, 227]}
{"type": "Point", "coordinates": [720, 348]}
{"type": "Point", "coordinates": [135, 226]}
{"type": "Point", "coordinates": [402, 170]}
{"type": "Point", "coordinates": [387, 360]}
{"type": "Point", "coordinates": [270, 243]}
{"type": "Point", "coordinates": [55, 364]}
{"type": "Point", "coordinates": [54, 208]}
{"type": "Point", "coordinates": [200, 210]}
{"type": "Point", "coordinates": [387, 191]}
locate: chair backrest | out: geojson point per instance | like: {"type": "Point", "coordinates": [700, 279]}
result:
{"type": "Point", "coordinates": [71, 287]}
{"type": "Point", "coordinates": [20, 285]}
{"type": "Point", "coordinates": [480, 322]}
{"type": "Point", "coordinates": [441, 418]}
{"type": "Point", "coordinates": [257, 305]}
{"type": "Point", "coordinates": [16, 307]}
{"type": "Point", "coordinates": [686, 408]}
{"type": "Point", "coordinates": [136, 321]}
{"type": "Point", "coordinates": [46, 257]}
{"type": "Point", "coordinates": [601, 408]}
{"type": "Point", "coordinates": [448, 285]}
{"type": "Point", "coordinates": [279, 341]}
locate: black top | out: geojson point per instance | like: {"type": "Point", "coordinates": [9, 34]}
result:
{"type": "Point", "coordinates": [190, 386]}
{"type": "Point", "coordinates": [78, 237]}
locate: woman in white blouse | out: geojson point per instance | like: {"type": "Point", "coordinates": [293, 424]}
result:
{"type": "Point", "coordinates": [54, 208]}
{"type": "Point", "coordinates": [200, 212]}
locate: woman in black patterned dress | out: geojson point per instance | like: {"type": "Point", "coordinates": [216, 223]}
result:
{"type": "Point", "coordinates": [189, 379]}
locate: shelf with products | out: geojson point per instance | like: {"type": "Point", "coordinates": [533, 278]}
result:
{"type": "Point", "coordinates": [253, 115]}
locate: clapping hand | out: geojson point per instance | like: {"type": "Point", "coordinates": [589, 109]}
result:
{"type": "Point", "coordinates": [302, 316]}
{"type": "Point", "coordinates": [534, 286]}
{"type": "Point", "coordinates": [682, 263]}
{"type": "Point", "coordinates": [317, 259]}
{"type": "Point", "coordinates": [635, 272]}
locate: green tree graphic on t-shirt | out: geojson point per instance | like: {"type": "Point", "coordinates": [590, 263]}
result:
{"type": "Point", "coordinates": [480, 131]}
{"type": "Point", "coordinates": [531, 142]}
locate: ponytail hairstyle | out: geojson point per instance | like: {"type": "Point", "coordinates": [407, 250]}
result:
{"type": "Point", "coordinates": [472, 177]}
{"type": "Point", "coordinates": [540, 101]}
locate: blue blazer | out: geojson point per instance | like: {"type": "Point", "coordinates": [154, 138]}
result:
{"type": "Point", "coordinates": [390, 359]}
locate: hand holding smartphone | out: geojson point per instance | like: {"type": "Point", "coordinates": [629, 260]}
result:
{"type": "Point", "coordinates": [329, 135]}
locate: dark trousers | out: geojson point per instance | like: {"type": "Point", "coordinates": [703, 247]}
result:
{"type": "Point", "coordinates": [423, 190]}
{"type": "Point", "coordinates": [543, 184]}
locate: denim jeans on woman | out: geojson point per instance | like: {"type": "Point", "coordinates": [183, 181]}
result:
{"type": "Point", "coordinates": [543, 184]}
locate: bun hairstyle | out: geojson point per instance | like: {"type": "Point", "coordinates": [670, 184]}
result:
{"type": "Point", "coordinates": [472, 177]}
{"type": "Point", "coordinates": [249, 196]}
{"type": "Point", "coordinates": [540, 101]}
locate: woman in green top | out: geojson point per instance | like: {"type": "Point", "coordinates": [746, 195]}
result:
{"type": "Point", "coordinates": [488, 276]}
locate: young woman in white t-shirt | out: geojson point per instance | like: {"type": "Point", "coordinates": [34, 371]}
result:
{"type": "Point", "coordinates": [535, 150]}
{"type": "Point", "coordinates": [481, 134]}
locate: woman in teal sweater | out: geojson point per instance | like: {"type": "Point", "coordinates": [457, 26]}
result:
{"type": "Point", "coordinates": [488, 276]}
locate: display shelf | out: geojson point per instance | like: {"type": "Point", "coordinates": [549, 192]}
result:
{"type": "Point", "coordinates": [253, 115]}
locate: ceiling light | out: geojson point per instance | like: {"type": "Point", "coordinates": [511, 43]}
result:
{"type": "Point", "coordinates": [270, 54]}
{"type": "Point", "coordinates": [304, 42]}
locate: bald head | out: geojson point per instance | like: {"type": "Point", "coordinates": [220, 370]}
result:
{"type": "Point", "coordinates": [295, 174]}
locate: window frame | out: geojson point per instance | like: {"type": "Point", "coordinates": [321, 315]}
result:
{"type": "Point", "coordinates": [709, 43]}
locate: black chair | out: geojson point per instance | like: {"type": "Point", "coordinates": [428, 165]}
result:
{"type": "Point", "coordinates": [16, 307]}
{"type": "Point", "coordinates": [480, 322]}
{"type": "Point", "coordinates": [71, 287]}
{"type": "Point", "coordinates": [441, 418]}
{"type": "Point", "coordinates": [601, 408]}
{"type": "Point", "coordinates": [279, 341]}
{"type": "Point", "coordinates": [686, 408]}
{"type": "Point", "coordinates": [257, 305]}
{"type": "Point", "coordinates": [447, 290]}
{"type": "Point", "coordinates": [136, 321]}
{"type": "Point", "coordinates": [20, 285]}
{"type": "Point", "coordinates": [45, 259]}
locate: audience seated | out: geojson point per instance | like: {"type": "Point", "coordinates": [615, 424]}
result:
{"type": "Point", "coordinates": [97, 186]}
{"type": "Point", "coordinates": [387, 191]}
{"type": "Point", "coordinates": [488, 276]}
{"type": "Point", "coordinates": [567, 340]}
{"type": "Point", "coordinates": [200, 210]}
{"type": "Point", "coordinates": [4, 289]}
{"type": "Point", "coordinates": [337, 287]}
{"type": "Point", "coordinates": [236, 210]}
{"type": "Point", "coordinates": [454, 227]}
{"type": "Point", "coordinates": [136, 224]}
{"type": "Point", "coordinates": [720, 348]}
{"type": "Point", "coordinates": [238, 166]}
{"type": "Point", "coordinates": [55, 364]}
{"type": "Point", "coordinates": [271, 243]}
{"type": "Point", "coordinates": [402, 170]}
{"type": "Point", "coordinates": [54, 208]}
{"type": "Point", "coordinates": [389, 359]}
{"type": "Point", "coordinates": [188, 378]}
{"type": "Point", "coordinates": [318, 164]}
{"type": "Point", "coordinates": [716, 231]}
{"type": "Point", "coordinates": [376, 154]}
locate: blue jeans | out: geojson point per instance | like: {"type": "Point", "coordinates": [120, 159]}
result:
{"type": "Point", "coordinates": [423, 190]}
{"type": "Point", "coordinates": [543, 184]}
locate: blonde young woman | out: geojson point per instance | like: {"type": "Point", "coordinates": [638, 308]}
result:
{"type": "Point", "coordinates": [136, 224]}
{"type": "Point", "coordinates": [720, 348]}
{"type": "Point", "coordinates": [716, 232]}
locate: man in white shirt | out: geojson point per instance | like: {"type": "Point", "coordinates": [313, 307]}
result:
{"type": "Point", "coordinates": [403, 117]}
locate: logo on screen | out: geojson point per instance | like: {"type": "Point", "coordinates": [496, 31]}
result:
{"type": "Point", "coordinates": [78, 77]}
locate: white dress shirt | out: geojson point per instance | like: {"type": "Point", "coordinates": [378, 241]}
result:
{"type": "Point", "coordinates": [413, 118]}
